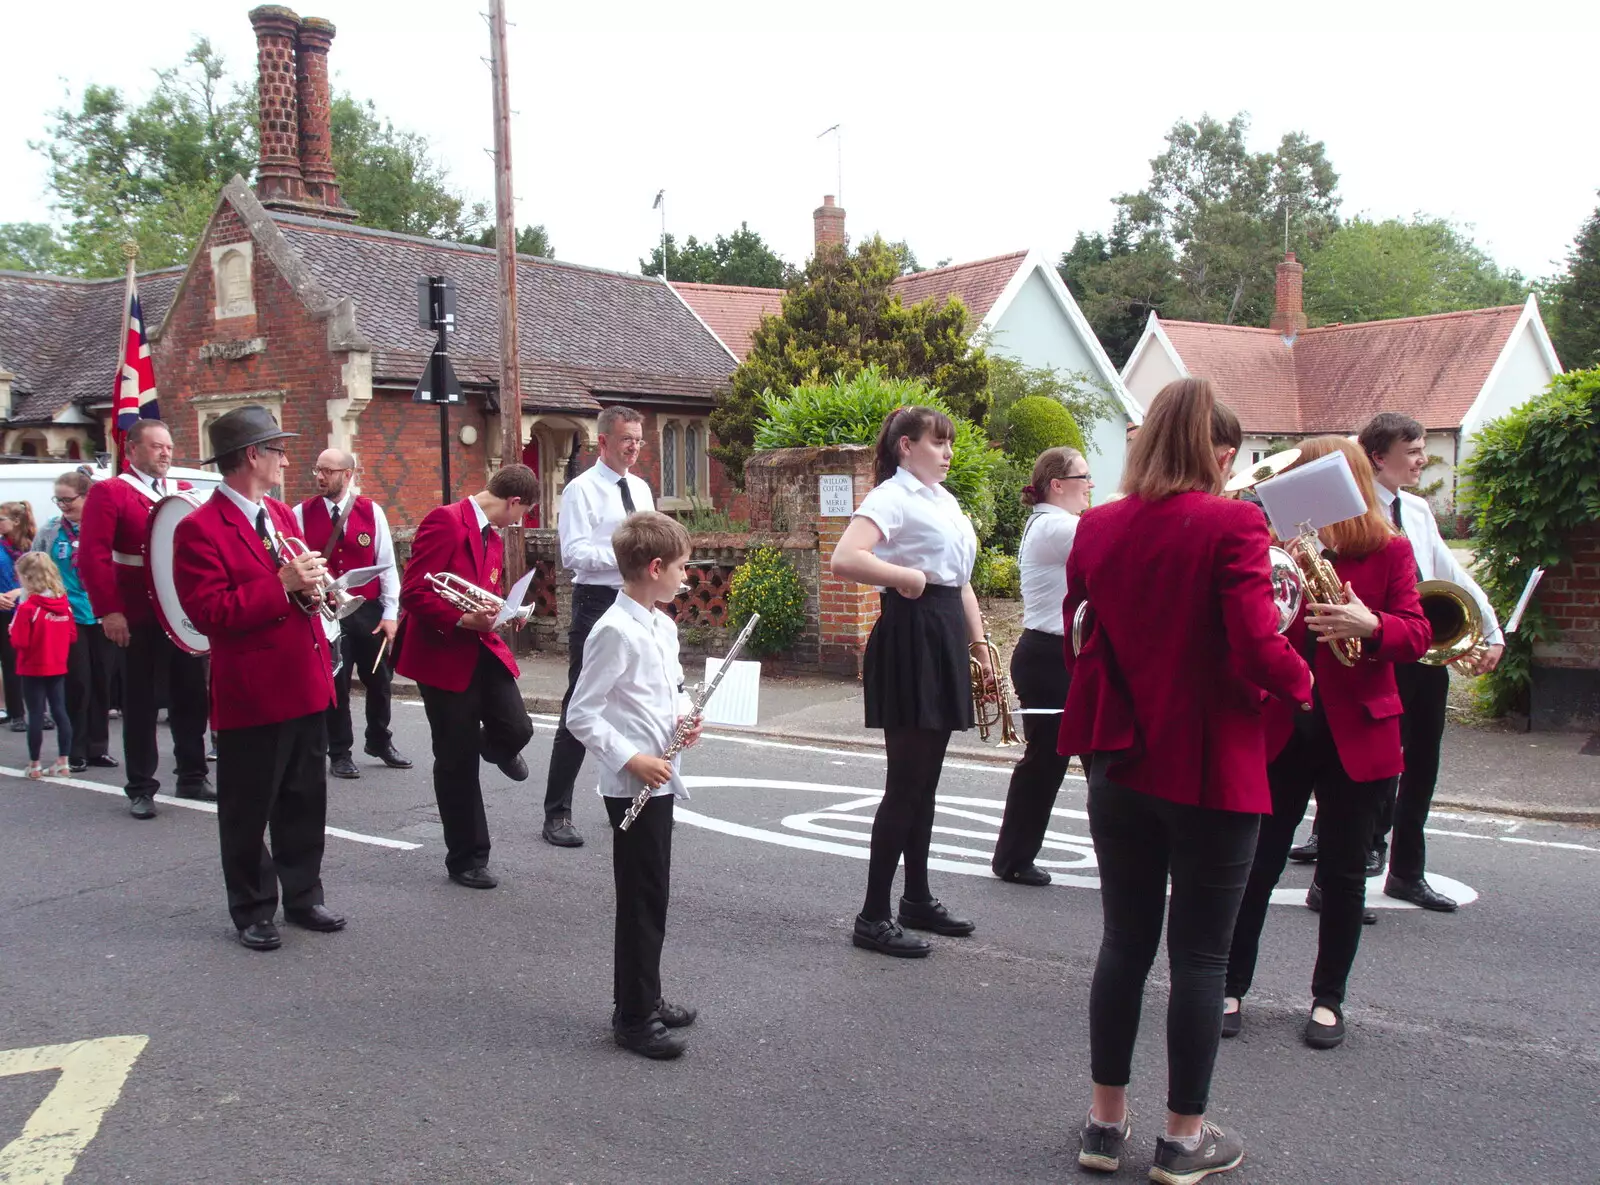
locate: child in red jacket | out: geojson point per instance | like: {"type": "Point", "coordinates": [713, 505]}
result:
{"type": "Point", "coordinates": [42, 631]}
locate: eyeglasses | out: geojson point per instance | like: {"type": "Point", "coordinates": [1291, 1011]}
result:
{"type": "Point", "coordinates": [1076, 477]}
{"type": "Point", "coordinates": [272, 448]}
{"type": "Point", "coordinates": [60, 501]}
{"type": "Point", "coordinates": [324, 471]}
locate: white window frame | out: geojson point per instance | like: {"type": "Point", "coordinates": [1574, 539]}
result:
{"type": "Point", "coordinates": [678, 428]}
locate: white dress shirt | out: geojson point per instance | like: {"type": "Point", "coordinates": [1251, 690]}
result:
{"type": "Point", "coordinates": [1435, 560]}
{"type": "Point", "coordinates": [591, 512]}
{"type": "Point", "coordinates": [382, 550]}
{"type": "Point", "coordinates": [1042, 562]}
{"type": "Point", "coordinates": [923, 527]}
{"type": "Point", "coordinates": [627, 700]}
{"type": "Point", "coordinates": [158, 485]}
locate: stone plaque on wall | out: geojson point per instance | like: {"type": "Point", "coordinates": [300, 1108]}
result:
{"type": "Point", "coordinates": [835, 495]}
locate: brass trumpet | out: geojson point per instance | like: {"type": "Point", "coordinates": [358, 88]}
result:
{"type": "Point", "coordinates": [469, 598]}
{"type": "Point", "coordinates": [326, 599]}
{"type": "Point", "coordinates": [991, 705]}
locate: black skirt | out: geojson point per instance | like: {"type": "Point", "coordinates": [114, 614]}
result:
{"type": "Point", "coordinates": [916, 672]}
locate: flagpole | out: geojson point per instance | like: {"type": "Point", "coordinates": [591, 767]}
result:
{"type": "Point", "coordinates": [131, 250]}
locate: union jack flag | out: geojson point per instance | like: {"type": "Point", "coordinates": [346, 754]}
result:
{"type": "Point", "coordinates": [134, 394]}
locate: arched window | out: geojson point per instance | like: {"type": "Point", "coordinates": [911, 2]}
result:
{"type": "Point", "coordinates": [74, 453]}
{"type": "Point", "coordinates": [691, 461]}
{"type": "Point", "coordinates": [669, 461]}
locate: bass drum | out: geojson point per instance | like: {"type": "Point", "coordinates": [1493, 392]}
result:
{"type": "Point", "coordinates": [158, 552]}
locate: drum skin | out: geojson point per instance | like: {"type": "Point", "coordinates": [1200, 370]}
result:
{"type": "Point", "coordinates": [164, 520]}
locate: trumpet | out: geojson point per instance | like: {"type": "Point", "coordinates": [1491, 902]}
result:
{"type": "Point", "coordinates": [469, 598]}
{"type": "Point", "coordinates": [1322, 585]}
{"type": "Point", "coordinates": [991, 705]}
{"type": "Point", "coordinates": [325, 599]}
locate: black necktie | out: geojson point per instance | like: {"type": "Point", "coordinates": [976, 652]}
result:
{"type": "Point", "coordinates": [263, 530]}
{"type": "Point", "coordinates": [156, 484]}
{"type": "Point", "coordinates": [488, 533]}
{"type": "Point", "coordinates": [1394, 508]}
{"type": "Point", "coordinates": [627, 497]}
{"type": "Point", "coordinates": [333, 519]}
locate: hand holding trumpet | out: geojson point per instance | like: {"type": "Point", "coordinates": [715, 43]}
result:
{"type": "Point", "coordinates": [303, 573]}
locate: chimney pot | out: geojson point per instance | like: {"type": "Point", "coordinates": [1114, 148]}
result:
{"type": "Point", "coordinates": [1288, 313]}
{"type": "Point", "coordinates": [827, 222]}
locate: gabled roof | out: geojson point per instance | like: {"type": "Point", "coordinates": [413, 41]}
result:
{"type": "Point", "coordinates": [733, 312]}
{"type": "Point", "coordinates": [978, 284]}
{"type": "Point", "coordinates": [1335, 377]}
{"type": "Point", "coordinates": [59, 336]}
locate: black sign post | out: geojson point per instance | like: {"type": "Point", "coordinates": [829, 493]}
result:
{"type": "Point", "coordinates": [436, 309]}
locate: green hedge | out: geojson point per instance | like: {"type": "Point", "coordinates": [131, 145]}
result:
{"type": "Point", "coordinates": [1038, 423]}
{"type": "Point", "coordinates": [1535, 475]}
{"type": "Point", "coordinates": [766, 583]}
{"type": "Point", "coordinates": [996, 574]}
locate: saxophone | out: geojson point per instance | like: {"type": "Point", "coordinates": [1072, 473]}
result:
{"type": "Point", "coordinates": [1322, 585]}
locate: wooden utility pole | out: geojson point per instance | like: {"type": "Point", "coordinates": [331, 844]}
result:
{"type": "Point", "coordinates": [506, 243]}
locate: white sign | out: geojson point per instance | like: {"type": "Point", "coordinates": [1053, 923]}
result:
{"type": "Point", "coordinates": [836, 495]}
{"type": "Point", "coordinates": [738, 695]}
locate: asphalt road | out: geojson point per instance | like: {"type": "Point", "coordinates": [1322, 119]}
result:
{"type": "Point", "coordinates": [458, 1035]}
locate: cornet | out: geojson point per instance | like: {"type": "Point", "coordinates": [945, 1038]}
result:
{"type": "Point", "coordinates": [326, 599]}
{"type": "Point", "coordinates": [469, 598]}
{"type": "Point", "coordinates": [991, 701]}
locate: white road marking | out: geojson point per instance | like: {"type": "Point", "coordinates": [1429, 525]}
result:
{"type": "Point", "coordinates": [61, 1127]}
{"type": "Point", "coordinates": [209, 808]}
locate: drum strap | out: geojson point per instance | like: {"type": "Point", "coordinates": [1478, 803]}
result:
{"type": "Point", "coordinates": [132, 561]}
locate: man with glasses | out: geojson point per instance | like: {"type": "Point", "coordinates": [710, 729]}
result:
{"type": "Point", "coordinates": [116, 520]}
{"type": "Point", "coordinates": [351, 531]}
{"type": "Point", "coordinates": [593, 505]}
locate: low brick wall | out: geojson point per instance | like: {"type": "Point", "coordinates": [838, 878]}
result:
{"type": "Point", "coordinates": [1565, 690]}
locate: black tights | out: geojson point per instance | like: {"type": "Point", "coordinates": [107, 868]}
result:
{"type": "Point", "coordinates": [904, 822]}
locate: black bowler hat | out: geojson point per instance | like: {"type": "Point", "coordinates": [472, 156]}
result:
{"type": "Point", "coordinates": [240, 428]}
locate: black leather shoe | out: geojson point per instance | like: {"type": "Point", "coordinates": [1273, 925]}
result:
{"type": "Point", "coordinates": [19, 725]}
{"type": "Point", "coordinates": [200, 791]}
{"type": "Point", "coordinates": [934, 917]}
{"type": "Point", "coordinates": [104, 761]}
{"type": "Point", "coordinates": [389, 755]}
{"type": "Point", "coordinates": [560, 831]}
{"type": "Point", "coordinates": [514, 768]}
{"type": "Point", "coordinates": [77, 765]}
{"type": "Point", "coordinates": [1233, 1022]}
{"type": "Point", "coordinates": [1369, 917]}
{"type": "Point", "coordinates": [474, 878]}
{"type": "Point", "coordinates": [1031, 875]}
{"type": "Point", "coordinates": [142, 806]}
{"type": "Point", "coordinates": [260, 936]}
{"type": "Point", "coordinates": [887, 938]}
{"type": "Point", "coordinates": [317, 917]}
{"type": "Point", "coordinates": [343, 767]}
{"type": "Point", "coordinates": [651, 1039]}
{"type": "Point", "coordinates": [1325, 1036]}
{"type": "Point", "coordinates": [1418, 893]}
{"type": "Point", "coordinates": [1375, 861]}
{"type": "Point", "coordinates": [676, 1016]}
{"type": "Point", "coordinates": [1305, 853]}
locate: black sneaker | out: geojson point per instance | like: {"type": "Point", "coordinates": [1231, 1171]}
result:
{"type": "Point", "coordinates": [1219, 1151]}
{"type": "Point", "coordinates": [887, 938]}
{"type": "Point", "coordinates": [1305, 853]}
{"type": "Point", "coordinates": [1100, 1148]}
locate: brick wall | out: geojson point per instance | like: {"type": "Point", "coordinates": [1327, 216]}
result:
{"type": "Point", "coordinates": [1566, 671]}
{"type": "Point", "coordinates": [398, 448]}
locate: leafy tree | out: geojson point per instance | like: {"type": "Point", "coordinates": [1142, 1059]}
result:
{"type": "Point", "coordinates": [28, 247]}
{"type": "Point", "coordinates": [1371, 271]}
{"type": "Point", "coordinates": [531, 240]}
{"type": "Point", "coordinates": [1086, 399]}
{"type": "Point", "coordinates": [740, 258]}
{"type": "Point", "coordinates": [1039, 423]}
{"type": "Point", "coordinates": [1118, 284]}
{"type": "Point", "coordinates": [389, 176]}
{"type": "Point", "coordinates": [842, 317]}
{"type": "Point", "coordinates": [1574, 301]}
{"type": "Point", "coordinates": [907, 257]}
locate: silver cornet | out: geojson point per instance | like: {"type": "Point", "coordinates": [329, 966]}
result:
{"type": "Point", "coordinates": [469, 598]}
{"type": "Point", "coordinates": [326, 599]}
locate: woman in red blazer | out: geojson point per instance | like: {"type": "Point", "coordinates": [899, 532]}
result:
{"type": "Point", "coordinates": [1182, 642]}
{"type": "Point", "coordinates": [1346, 750]}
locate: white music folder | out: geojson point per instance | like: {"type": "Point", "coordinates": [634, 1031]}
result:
{"type": "Point", "coordinates": [1320, 492]}
{"type": "Point", "coordinates": [738, 695]}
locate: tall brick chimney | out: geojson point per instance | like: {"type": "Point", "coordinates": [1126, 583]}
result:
{"type": "Point", "coordinates": [827, 222]}
{"type": "Point", "coordinates": [278, 176]}
{"type": "Point", "coordinates": [1288, 312]}
{"type": "Point", "coordinates": [311, 84]}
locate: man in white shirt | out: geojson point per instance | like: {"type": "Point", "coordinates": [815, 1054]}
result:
{"type": "Point", "coordinates": [350, 531]}
{"type": "Point", "coordinates": [1397, 447]}
{"type": "Point", "coordinates": [593, 506]}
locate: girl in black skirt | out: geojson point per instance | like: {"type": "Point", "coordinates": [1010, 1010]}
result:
{"type": "Point", "coordinates": [1059, 493]}
{"type": "Point", "coordinates": [911, 538]}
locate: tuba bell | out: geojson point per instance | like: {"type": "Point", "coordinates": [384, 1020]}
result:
{"type": "Point", "coordinates": [1455, 621]}
{"type": "Point", "coordinates": [991, 701]}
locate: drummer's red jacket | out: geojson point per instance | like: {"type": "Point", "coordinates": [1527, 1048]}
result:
{"type": "Point", "coordinates": [116, 522]}
{"type": "Point", "coordinates": [41, 633]}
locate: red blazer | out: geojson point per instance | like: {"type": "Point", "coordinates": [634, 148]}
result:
{"type": "Point", "coordinates": [116, 517]}
{"type": "Point", "coordinates": [269, 660]}
{"type": "Point", "coordinates": [1362, 703]}
{"type": "Point", "coordinates": [431, 647]}
{"type": "Point", "coordinates": [1183, 642]}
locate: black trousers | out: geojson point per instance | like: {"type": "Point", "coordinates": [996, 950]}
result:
{"type": "Point", "coordinates": [903, 824]}
{"type": "Point", "coordinates": [641, 864]}
{"type": "Point", "coordinates": [89, 692]}
{"type": "Point", "coordinates": [1139, 841]}
{"type": "Point", "coordinates": [272, 780]}
{"type": "Point", "coordinates": [1345, 811]}
{"type": "Point", "coordinates": [15, 708]}
{"type": "Point", "coordinates": [359, 646]}
{"type": "Point", "coordinates": [154, 665]}
{"type": "Point", "coordinates": [589, 603]}
{"type": "Point", "coordinates": [487, 720]}
{"type": "Point", "coordinates": [1424, 692]}
{"type": "Point", "coordinates": [39, 691]}
{"type": "Point", "coordinates": [1039, 673]}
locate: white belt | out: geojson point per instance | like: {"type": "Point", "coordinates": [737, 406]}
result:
{"type": "Point", "coordinates": [132, 561]}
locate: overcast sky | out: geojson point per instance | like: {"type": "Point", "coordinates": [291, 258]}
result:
{"type": "Point", "coordinates": [968, 129]}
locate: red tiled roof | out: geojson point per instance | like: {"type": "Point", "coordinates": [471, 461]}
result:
{"type": "Point", "coordinates": [733, 312]}
{"type": "Point", "coordinates": [978, 284]}
{"type": "Point", "coordinates": [1335, 377]}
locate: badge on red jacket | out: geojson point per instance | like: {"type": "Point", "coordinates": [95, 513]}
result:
{"type": "Point", "coordinates": [364, 539]}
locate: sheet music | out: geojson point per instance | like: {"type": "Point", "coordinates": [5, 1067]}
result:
{"type": "Point", "coordinates": [738, 694]}
{"type": "Point", "coordinates": [1523, 600]}
{"type": "Point", "coordinates": [1321, 492]}
{"type": "Point", "coordinates": [514, 599]}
